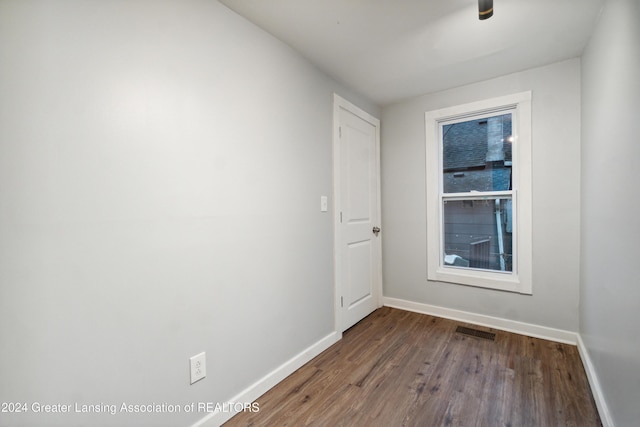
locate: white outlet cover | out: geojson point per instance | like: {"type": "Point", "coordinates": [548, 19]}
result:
{"type": "Point", "coordinates": [198, 365]}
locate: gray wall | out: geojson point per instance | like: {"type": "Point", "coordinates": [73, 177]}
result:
{"type": "Point", "coordinates": [161, 167]}
{"type": "Point", "coordinates": [556, 200]}
{"type": "Point", "coordinates": [610, 290]}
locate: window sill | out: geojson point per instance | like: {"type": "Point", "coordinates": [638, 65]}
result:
{"type": "Point", "coordinates": [502, 281]}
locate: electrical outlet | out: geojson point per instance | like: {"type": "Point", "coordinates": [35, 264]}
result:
{"type": "Point", "coordinates": [198, 365]}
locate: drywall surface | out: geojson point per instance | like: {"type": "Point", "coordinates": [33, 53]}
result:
{"type": "Point", "coordinates": [610, 295]}
{"type": "Point", "coordinates": [556, 200]}
{"type": "Point", "coordinates": [161, 167]}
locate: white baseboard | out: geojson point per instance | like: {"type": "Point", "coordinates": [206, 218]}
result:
{"type": "Point", "coordinates": [528, 329]}
{"type": "Point", "coordinates": [254, 391]}
{"type": "Point", "coordinates": [594, 383]}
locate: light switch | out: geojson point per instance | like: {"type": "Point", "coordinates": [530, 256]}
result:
{"type": "Point", "coordinates": [323, 203]}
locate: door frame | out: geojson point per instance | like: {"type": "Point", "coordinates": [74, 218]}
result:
{"type": "Point", "coordinates": [341, 103]}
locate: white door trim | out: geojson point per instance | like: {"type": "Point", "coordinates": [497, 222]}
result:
{"type": "Point", "coordinates": [341, 103]}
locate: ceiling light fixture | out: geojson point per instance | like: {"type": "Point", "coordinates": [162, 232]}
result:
{"type": "Point", "coordinates": [485, 9]}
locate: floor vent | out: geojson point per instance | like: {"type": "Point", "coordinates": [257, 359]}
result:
{"type": "Point", "coordinates": [476, 333]}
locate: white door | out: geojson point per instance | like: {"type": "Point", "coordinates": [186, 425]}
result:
{"type": "Point", "coordinates": [357, 209]}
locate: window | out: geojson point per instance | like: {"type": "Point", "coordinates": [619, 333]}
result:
{"type": "Point", "coordinates": [479, 194]}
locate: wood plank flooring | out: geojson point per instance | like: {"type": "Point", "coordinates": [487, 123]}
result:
{"type": "Point", "coordinates": [398, 368]}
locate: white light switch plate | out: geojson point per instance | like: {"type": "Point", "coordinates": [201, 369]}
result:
{"type": "Point", "coordinates": [198, 367]}
{"type": "Point", "coordinates": [323, 203]}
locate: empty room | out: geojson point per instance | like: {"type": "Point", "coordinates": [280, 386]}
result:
{"type": "Point", "coordinates": [319, 212]}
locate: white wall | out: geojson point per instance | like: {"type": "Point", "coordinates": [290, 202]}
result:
{"type": "Point", "coordinates": [556, 200]}
{"type": "Point", "coordinates": [610, 291]}
{"type": "Point", "coordinates": [161, 167]}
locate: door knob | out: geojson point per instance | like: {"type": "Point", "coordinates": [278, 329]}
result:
{"type": "Point", "coordinates": [376, 230]}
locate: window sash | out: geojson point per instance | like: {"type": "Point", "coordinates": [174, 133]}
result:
{"type": "Point", "coordinates": [469, 116]}
{"type": "Point", "coordinates": [485, 196]}
{"type": "Point", "coordinates": [473, 195]}
{"type": "Point", "coordinates": [519, 280]}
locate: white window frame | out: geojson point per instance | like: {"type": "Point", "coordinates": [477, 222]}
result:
{"type": "Point", "coordinates": [520, 278]}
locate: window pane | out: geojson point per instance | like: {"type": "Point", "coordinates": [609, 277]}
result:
{"type": "Point", "coordinates": [478, 233]}
{"type": "Point", "coordinates": [477, 155]}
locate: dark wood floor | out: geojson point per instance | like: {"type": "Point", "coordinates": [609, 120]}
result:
{"type": "Point", "coordinates": [397, 368]}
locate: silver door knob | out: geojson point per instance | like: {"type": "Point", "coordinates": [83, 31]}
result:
{"type": "Point", "coordinates": [376, 230]}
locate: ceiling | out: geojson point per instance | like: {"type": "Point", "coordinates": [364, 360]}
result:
{"type": "Point", "coordinates": [390, 50]}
